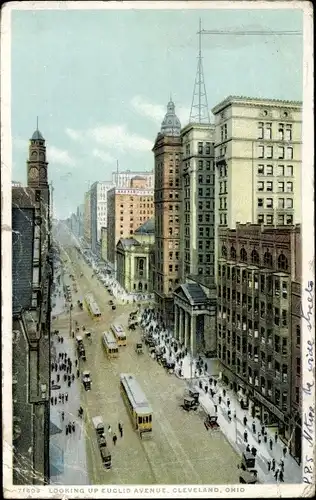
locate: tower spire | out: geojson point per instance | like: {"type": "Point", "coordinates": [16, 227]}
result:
{"type": "Point", "coordinates": [199, 108]}
{"type": "Point", "coordinates": [37, 123]}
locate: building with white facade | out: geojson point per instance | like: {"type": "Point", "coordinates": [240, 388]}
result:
{"type": "Point", "coordinates": [98, 202]}
{"type": "Point", "coordinates": [123, 179]}
{"type": "Point", "coordinates": [258, 158]}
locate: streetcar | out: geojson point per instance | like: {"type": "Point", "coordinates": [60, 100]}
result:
{"type": "Point", "coordinates": [137, 405]}
{"type": "Point", "coordinates": [119, 334]}
{"type": "Point", "coordinates": [110, 344]}
{"type": "Point", "coordinates": [92, 306]}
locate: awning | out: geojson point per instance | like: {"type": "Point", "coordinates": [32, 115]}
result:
{"type": "Point", "coordinates": [56, 458]}
{"type": "Point", "coordinates": [54, 424]}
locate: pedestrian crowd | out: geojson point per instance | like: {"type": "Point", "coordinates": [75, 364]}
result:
{"type": "Point", "coordinates": [153, 324]}
{"type": "Point", "coordinates": [64, 372]}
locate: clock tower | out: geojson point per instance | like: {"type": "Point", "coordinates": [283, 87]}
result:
{"type": "Point", "coordinates": [36, 163]}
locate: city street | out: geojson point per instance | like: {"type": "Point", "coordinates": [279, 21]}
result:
{"type": "Point", "coordinates": [181, 450]}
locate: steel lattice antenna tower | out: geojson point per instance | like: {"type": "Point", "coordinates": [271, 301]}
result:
{"type": "Point", "coordinates": [199, 108]}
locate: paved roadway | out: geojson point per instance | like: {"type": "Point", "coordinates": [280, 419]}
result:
{"type": "Point", "coordinates": [181, 450]}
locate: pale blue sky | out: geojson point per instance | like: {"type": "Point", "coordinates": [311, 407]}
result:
{"type": "Point", "coordinates": [100, 81]}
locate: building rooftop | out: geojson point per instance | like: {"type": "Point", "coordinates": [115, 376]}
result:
{"type": "Point", "coordinates": [171, 124]}
{"type": "Point", "coordinates": [37, 136]}
{"type": "Point", "coordinates": [129, 242]}
{"type": "Point", "coordinates": [193, 292]}
{"type": "Point", "coordinates": [138, 178]}
{"type": "Point", "coordinates": [147, 228]}
{"type": "Point", "coordinates": [255, 100]}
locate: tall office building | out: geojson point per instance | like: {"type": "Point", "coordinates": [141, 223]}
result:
{"type": "Point", "coordinates": [195, 298]}
{"type": "Point", "coordinates": [98, 214]}
{"type": "Point", "coordinates": [259, 276]}
{"type": "Point", "coordinates": [123, 179]}
{"type": "Point", "coordinates": [258, 158]}
{"type": "Point", "coordinates": [167, 150]}
{"type": "Point", "coordinates": [32, 275]}
{"type": "Point", "coordinates": [127, 209]}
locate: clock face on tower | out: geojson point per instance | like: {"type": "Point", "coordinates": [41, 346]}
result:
{"type": "Point", "coordinates": [33, 173]}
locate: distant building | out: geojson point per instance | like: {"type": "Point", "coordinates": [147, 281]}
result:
{"type": "Point", "coordinates": [16, 184]}
{"type": "Point", "coordinates": [258, 324]}
{"type": "Point", "coordinates": [32, 276]}
{"type": "Point", "coordinates": [133, 259]}
{"type": "Point", "coordinates": [104, 241]}
{"type": "Point", "coordinates": [167, 151]}
{"type": "Point", "coordinates": [123, 179]}
{"type": "Point", "coordinates": [80, 216]}
{"type": "Point", "coordinates": [258, 153]}
{"type": "Point", "coordinates": [87, 219]}
{"type": "Point", "coordinates": [128, 208]}
{"type": "Point", "coordinates": [98, 193]}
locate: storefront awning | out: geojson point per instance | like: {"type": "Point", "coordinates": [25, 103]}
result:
{"type": "Point", "coordinates": [56, 458]}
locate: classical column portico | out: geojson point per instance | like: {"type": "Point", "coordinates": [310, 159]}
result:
{"type": "Point", "coordinates": [193, 334]}
{"type": "Point", "coordinates": [181, 325]}
{"type": "Point", "coordinates": [186, 329]}
{"type": "Point", "coordinates": [176, 321]}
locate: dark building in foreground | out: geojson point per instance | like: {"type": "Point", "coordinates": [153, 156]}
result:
{"type": "Point", "coordinates": [258, 324]}
{"type": "Point", "coordinates": [32, 274]}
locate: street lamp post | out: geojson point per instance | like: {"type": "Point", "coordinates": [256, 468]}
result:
{"type": "Point", "coordinates": [70, 320]}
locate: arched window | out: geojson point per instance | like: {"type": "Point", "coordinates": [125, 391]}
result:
{"type": "Point", "coordinates": [243, 255]}
{"type": "Point", "coordinates": [233, 253]}
{"type": "Point", "coordinates": [141, 264]}
{"type": "Point", "coordinates": [140, 286]}
{"type": "Point", "coordinates": [282, 262]}
{"type": "Point", "coordinates": [254, 257]}
{"type": "Point", "coordinates": [224, 252]}
{"type": "Point", "coordinates": [267, 259]}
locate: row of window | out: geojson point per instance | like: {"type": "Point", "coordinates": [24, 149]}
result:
{"type": "Point", "coordinates": [266, 261]}
{"type": "Point", "coordinates": [207, 232]}
{"type": "Point", "coordinates": [207, 179]}
{"type": "Point", "coordinates": [202, 271]}
{"type": "Point", "coordinates": [276, 286]}
{"type": "Point", "coordinates": [202, 192]}
{"type": "Point", "coordinates": [282, 187]}
{"type": "Point", "coordinates": [281, 219]}
{"type": "Point", "coordinates": [202, 205]}
{"type": "Point", "coordinates": [202, 244]}
{"type": "Point", "coordinates": [266, 335]}
{"type": "Point", "coordinates": [202, 218]}
{"type": "Point", "coordinates": [269, 202]}
{"type": "Point", "coordinates": [281, 170]}
{"type": "Point", "coordinates": [204, 148]}
{"type": "Point", "coordinates": [283, 153]}
{"type": "Point", "coordinates": [284, 131]}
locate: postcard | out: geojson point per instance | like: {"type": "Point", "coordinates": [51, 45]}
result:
{"type": "Point", "coordinates": [157, 249]}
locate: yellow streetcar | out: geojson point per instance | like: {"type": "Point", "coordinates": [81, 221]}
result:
{"type": "Point", "coordinates": [137, 405]}
{"type": "Point", "coordinates": [92, 306]}
{"type": "Point", "coordinates": [110, 344]}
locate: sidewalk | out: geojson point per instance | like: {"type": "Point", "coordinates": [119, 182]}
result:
{"type": "Point", "coordinates": [234, 429]}
{"type": "Point", "coordinates": [117, 290]}
{"type": "Point", "coordinates": [74, 466]}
